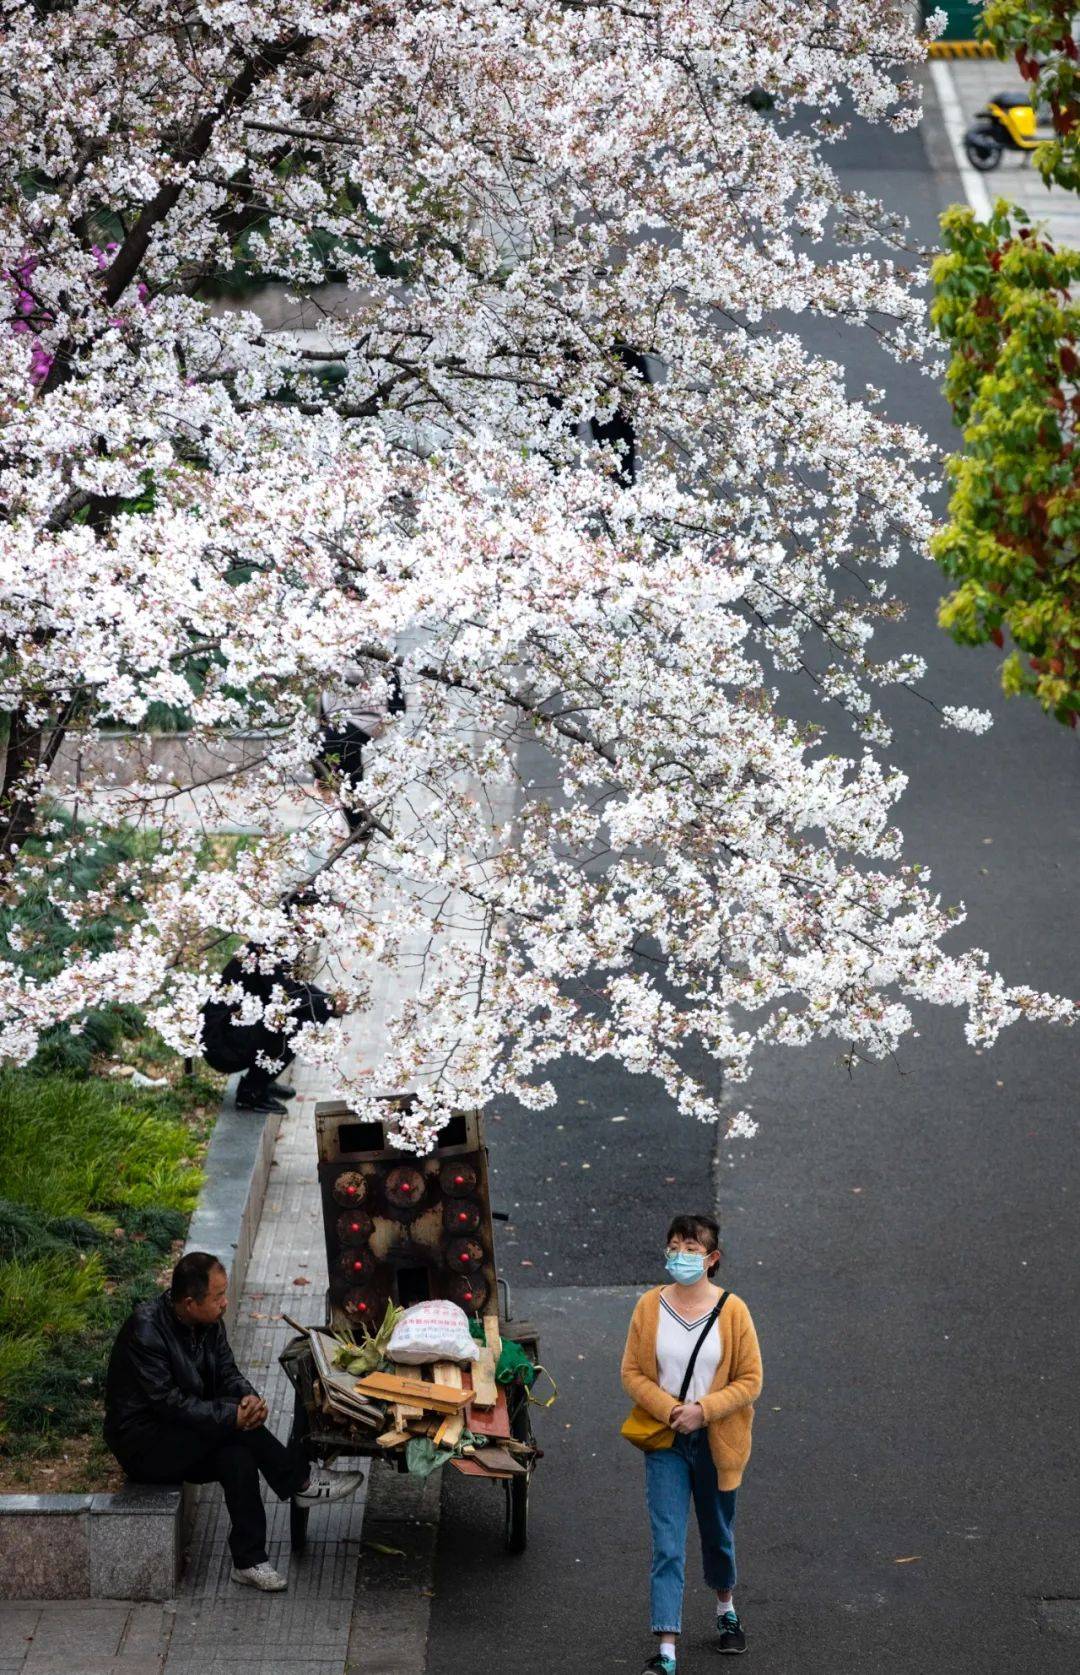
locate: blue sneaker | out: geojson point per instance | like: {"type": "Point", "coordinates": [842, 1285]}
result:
{"type": "Point", "coordinates": [659, 1666]}
{"type": "Point", "coordinates": [729, 1628]}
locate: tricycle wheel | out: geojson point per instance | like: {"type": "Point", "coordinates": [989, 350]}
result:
{"type": "Point", "coordinates": [517, 1513]}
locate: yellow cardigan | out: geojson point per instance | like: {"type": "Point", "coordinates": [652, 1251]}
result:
{"type": "Point", "coordinates": [729, 1404]}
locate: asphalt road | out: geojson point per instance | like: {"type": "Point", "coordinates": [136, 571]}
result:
{"type": "Point", "coordinates": [905, 1240]}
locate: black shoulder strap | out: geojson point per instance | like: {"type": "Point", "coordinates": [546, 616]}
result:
{"type": "Point", "coordinates": [709, 1324]}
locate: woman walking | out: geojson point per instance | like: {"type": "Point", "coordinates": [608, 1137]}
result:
{"type": "Point", "coordinates": [693, 1368]}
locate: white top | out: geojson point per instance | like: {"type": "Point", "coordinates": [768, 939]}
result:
{"type": "Point", "coordinates": [352, 702]}
{"type": "Point", "coordinates": [675, 1340]}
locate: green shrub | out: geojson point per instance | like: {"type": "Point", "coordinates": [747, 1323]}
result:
{"type": "Point", "coordinates": [68, 1146]}
{"type": "Point", "coordinates": [96, 1186]}
{"type": "Point", "coordinates": [48, 1297]}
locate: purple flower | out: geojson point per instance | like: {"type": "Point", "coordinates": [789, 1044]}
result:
{"type": "Point", "coordinates": [40, 363]}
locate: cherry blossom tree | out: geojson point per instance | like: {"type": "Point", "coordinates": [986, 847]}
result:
{"type": "Point", "coordinates": [510, 213]}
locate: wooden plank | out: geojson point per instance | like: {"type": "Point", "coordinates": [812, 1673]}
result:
{"type": "Point", "coordinates": [392, 1387]}
{"type": "Point", "coordinates": [485, 1390]}
{"type": "Point", "coordinates": [392, 1439]}
{"type": "Point", "coordinates": [449, 1433]}
{"type": "Point", "coordinates": [469, 1468]}
{"type": "Point", "coordinates": [496, 1423]}
{"type": "Point", "coordinates": [404, 1415]}
{"type": "Point", "coordinates": [491, 1335]}
{"type": "Point", "coordinates": [499, 1460]}
{"type": "Point", "coordinates": [416, 1392]}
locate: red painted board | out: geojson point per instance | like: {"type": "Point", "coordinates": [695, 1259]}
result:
{"type": "Point", "coordinates": [470, 1469]}
{"type": "Point", "coordinates": [489, 1422]}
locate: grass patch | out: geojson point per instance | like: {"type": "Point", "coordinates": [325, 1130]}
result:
{"type": "Point", "coordinates": [70, 1146]}
{"type": "Point", "coordinates": [98, 1177]}
{"type": "Point", "coordinates": [97, 1184]}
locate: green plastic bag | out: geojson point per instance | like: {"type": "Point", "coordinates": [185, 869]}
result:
{"type": "Point", "coordinates": [514, 1363]}
{"type": "Point", "coordinates": [422, 1457]}
{"type": "Point", "coordinates": [513, 1360]}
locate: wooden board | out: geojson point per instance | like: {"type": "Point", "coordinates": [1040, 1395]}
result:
{"type": "Point", "coordinates": [485, 1390]}
{"type": "Point", "coordinates": [448, 1435]}
{"type": "Point", "coordinates": [392, 1387]}
{"type": "Point", "coordinates": [393, 1439]}
{"type": "Point", "coordinates": [404, 1415]}
{"type": "Point", "coordinates": [495, 1423]}
{"type": "Point", "coordinates": [491, 1335]}
{"type": "Point", "coordinates": [499, 1460]}
{"type": "Point", "coordinates": [469, 1468]}
{"type": "Point", "coordinates": [338, 1386]}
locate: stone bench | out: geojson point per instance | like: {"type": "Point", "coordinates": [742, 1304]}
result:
{"type": "Point", "coordinates": [126, 1545]}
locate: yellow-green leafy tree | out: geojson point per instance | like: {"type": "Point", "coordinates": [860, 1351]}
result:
{"type": "Point", "coordinates": [1005, 304]}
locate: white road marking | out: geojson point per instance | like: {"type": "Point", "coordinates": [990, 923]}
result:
{"type": "Point", "coordinates": [955, 124]}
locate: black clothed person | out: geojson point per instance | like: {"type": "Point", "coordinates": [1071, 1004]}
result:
{"type": "Point", "coordinates": [171, 1398]}
{"type": "Point", "coordinates": [342, 738]}
{"type": "Point", "coordinates": [229, 1046]}
{"type": "Point", "coordinates": [618, 431]}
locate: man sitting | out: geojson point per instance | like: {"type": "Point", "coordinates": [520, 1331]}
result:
{"type": "Point", "coordinates": [177, 1408]}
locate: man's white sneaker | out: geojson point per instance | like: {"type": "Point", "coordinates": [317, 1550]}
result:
{"type": "Point", "coordinates": [262, 1576]}
{"type": "Point", "coordinates": [329, 1486]}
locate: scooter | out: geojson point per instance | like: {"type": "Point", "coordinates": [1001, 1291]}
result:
{"type": "Point", "coordinates": [1007, 123]}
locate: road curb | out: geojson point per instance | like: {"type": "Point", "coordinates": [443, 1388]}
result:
{"type": "Point", "coordinates": [236, 1170]}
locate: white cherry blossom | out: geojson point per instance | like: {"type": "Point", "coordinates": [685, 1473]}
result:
{"type": "Point", "coordinates": [505, 216]}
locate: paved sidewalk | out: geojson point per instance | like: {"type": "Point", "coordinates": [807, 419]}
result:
{"type": "Point", "coordinates": [220, 1628]}
{"type": "Point", "coordinates": [83, 1637]}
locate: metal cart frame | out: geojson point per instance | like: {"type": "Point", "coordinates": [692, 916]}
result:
{"type": "Point", "coordinates": [324, 1442]}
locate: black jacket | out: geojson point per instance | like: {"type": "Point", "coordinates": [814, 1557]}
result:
{"type": "Point", "coordinates": [229, 1046]}
{"type": "Point", "coordinates": [161, 1373]}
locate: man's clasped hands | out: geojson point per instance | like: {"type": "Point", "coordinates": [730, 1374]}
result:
{"type": "Point", "coordinates": [251, 1412]}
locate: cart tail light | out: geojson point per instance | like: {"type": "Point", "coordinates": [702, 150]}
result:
{"type": "Point", "coordinates": [457, 1179]}
{"type": "Point", "coordinates": [362, 1305]}
{"type": "Point", "coordinates": [356, 1264]}
{"type": "Point", "coordinates": [405, 1188]}
{"type": "Point", "coordinates": [468, 1291]}
{"type": "Point", "coordinates": [461, 1216]}
{"type": "Point", "coordinates": [350, 1188]}
{"type": "Point", "coordinates": [464, 1256]}
{"type": "Point", "coordinates": [355, 1227]}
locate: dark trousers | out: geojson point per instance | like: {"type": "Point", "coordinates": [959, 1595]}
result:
{"type": "Point", "coordinates": [256, 1081]}
{"type": "Point", "coordinates": [181, 1455]}
{"type": "Point", "coordinates": [341, 756]}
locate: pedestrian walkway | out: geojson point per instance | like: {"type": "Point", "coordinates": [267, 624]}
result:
{"type": "Point", "coordinates": [220, 1628]}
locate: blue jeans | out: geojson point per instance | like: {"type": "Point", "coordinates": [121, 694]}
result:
{"type": "Point", "coordinates": [672, 1475]}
